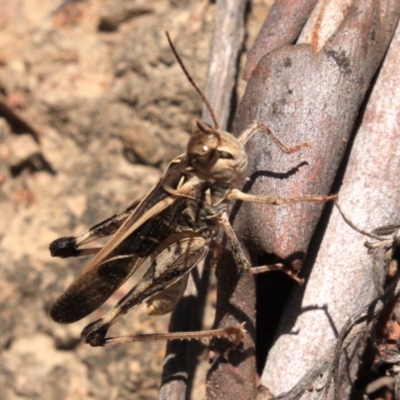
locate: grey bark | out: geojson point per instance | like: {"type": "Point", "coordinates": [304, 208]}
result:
{"type": "Point", "coordinates": [341, 281]}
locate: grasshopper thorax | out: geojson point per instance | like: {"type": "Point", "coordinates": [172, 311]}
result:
{"type": "Point", "coordinates": [216, 155]}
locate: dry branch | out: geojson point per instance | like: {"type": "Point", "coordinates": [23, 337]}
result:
{"type": "Point", "coordinates": [227, 42]}
{"type": "Point", "coordinates": [341, 280]}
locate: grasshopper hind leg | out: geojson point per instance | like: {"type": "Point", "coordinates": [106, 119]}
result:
{"type": "Point", "coordinates": [163, 283]}
{"type": "Point", "coordinates": [166, 301]}
{"type": "Point", "coordinates": [234, 334]}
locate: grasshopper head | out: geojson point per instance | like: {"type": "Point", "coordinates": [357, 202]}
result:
{"type": "Point", "coordinates": [216, 155]}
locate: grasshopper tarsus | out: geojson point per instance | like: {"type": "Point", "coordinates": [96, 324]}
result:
{"type": "Point", "coordinates": [64, 247]}
{"type": "Point", "coordinates": [295, 149]}
{"type": "Point", "coordinates": [235, 333]}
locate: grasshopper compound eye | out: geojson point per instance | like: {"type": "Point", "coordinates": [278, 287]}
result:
{"type": "Point", "coordinates": [202, 149]}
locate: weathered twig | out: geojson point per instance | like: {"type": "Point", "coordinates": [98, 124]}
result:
{"type": "Point", "coordinates": [283, 25]}
{"type": "Point", "coordinates": [224, 58]}
{"type": "Point", "coordinates": [370, 192]}
{"type": "Point", "coordinates": [309, 381]}
{"type": "Point", "coordinates": [180, 361]}
{"type": "Point", "coordinates": [326, 369]}
{"type": "Point", "coordinates": [180, 364]}
{"type": "Point", "coordinates": [361, 322]}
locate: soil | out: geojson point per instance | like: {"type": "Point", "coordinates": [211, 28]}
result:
{"type": "Point", "coordinates": [92, 108]}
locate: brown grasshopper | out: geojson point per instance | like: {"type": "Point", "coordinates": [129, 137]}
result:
{"type": "Point", "coordinates": [174, 225]}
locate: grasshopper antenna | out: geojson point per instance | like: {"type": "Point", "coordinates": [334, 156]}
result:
{"type": "Point", "coordinates": [193, 83]}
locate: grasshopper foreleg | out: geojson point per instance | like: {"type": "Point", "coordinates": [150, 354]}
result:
{"type": "Point", "coordinates": [260, 126]}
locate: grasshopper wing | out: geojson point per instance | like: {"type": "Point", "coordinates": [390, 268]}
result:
{"type": "Point", "coordinates": [70, 246]}
{"type": "Point", "coordinates": [102, 277]}
{"type": "Point", "coordinates": [170, 266]}
{"type": "Point", "coordinates": [149, 224]}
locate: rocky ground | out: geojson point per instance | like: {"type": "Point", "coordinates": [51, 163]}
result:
{"type": "Point", "coordinates": [92, 107]}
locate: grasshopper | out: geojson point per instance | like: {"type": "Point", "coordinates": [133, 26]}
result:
{"type": "Point", "coordinates": [174, 225]}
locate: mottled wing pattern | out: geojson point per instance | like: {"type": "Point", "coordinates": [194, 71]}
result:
{"type": "Point", "coordinates": [170, 266]}
{"type": "Point", "coordinates": [149, 224]}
